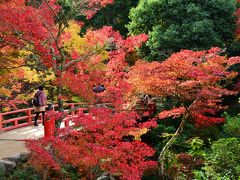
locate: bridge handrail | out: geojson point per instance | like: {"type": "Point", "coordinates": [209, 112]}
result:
{"type": "Point", "coordinates": [16, 111]}
{"type": "Point", "coordinates": [29, 115]}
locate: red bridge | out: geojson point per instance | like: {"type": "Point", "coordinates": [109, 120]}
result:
{"type": "Point", "coordinates": [24, 117]}
{"type": "Point", "coordinates": [16, 126]}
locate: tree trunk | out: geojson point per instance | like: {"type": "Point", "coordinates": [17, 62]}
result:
{"type": "Point", "coordinates": [161, 157]}
{"type": "Point", "coordinates": [60, 105]}
{"type": "Point", "coordinates": [59, 94]}
{"type": "Point", "coordinates": [60, 101]}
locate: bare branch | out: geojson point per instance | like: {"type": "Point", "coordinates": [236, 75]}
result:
{"type": "Point", "coordinates": [72, 11]}
{"type": "Point", "coordinates": [78, 60]}
{"type": "Point", "coordinates": [51, 9]}
{"type": "Point", "coordinates": [16, 67]}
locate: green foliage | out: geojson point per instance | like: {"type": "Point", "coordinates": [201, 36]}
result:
{"type": "Point", "coordinates": [197, 145]}
{"type": "Point", "coordinates": [208, 134]}
{"type": "Point", "coordinates": [154, 137]}
{"type": "Point", "coordinates": [170, 160]}
{"type": "Point", "coordinates": [115, 15]}
{"type": "Point", "coordinates": [70, 172]}
{"type": "Point", "coordinates": [173, 25]}
{"type": "Point", "coordinates": [224, 160]}
{"type": "Point", "coordinates": [27, 173]}
{"type": "Point", "coordinates": [1, 173]}
{"type": "Point", "coordinates": [232, 125]}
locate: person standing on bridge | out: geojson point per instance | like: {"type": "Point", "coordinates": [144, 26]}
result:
{"type": "Point", "coordinates": [40, 105]}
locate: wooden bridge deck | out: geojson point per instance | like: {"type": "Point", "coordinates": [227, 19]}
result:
{"type": "Point", "coordinates": [9, 144]}
{"type": "Point", "coordinates": [11, 136]}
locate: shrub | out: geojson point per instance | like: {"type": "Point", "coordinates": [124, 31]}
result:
{"type": "Point", "coordinates": [224, 161]}
{"type": "Point", "coordinates": [232, 125]}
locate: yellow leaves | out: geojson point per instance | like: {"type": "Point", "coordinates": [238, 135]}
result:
{"type": "Point", "coordinates": [31, 75]}
{"type": "Point", "coordinates": [104, 55]}
{"type": "Point", "coordinates": [74, 43]}
{"type": "Point", "coordinates": [9, 58]}
{"type": "Point", "coordinates": [10, 67]}
{"type": "Point", "coordinates": [5, 92]}
{"type": "Point", "coordinates": [71, 39]}
{"type": "Point", "coordinates": [17, 87]}
{"type": "Point", "coordinates": [24, 53]}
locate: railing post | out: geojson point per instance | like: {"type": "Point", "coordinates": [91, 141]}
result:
{"type": "Point", "coordinates": [49, 128]}
{"type": "Point", "coordinates": [66, 123]}
{"type": "Point", "coordinates": [72, 106]}
{"type": "Point", "coordinates": [16, 123]}
{"type": "Point", "coordinates": [29, 114]}
{"type": "Point", "coordinates": [80, 111]}
{"type": "Point", "coordinates": [1, 122]}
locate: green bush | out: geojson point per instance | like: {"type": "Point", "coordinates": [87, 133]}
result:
{"type": "Point", "coordinates": [173, 25]}
{"type": "Point", "coordinates": [26, 173]}
{"type": "Point", "coordinates": [232, 125]}
{"type": "Point", "coordinates": [223, 160]}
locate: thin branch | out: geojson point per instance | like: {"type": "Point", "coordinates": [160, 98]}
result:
{"type": "Point", "coordinates": [51, 9]}
{"type": "Point", "coordinates": [78, 60]}
{"type": "Point", "coordinates": [22, 47]}
{"type": "Point", "coordinates": [15, 67]}
{"type": "Point", "coordinates": [71, 11]}
{"type": "Point", "coordinates": [48, 29]}
{"type": "Point", "coordinates": [161, 157]}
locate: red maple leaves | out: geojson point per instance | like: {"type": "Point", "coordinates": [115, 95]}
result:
{"type": "Point", "coordinates": [193, 79]}
{"type": "Point", "coordinates": [98, 145]}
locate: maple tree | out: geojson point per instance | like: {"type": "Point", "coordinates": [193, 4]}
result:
{"type": "Point", "coordinates": [48, 32]}
{"type": "Point", "coordinates": [18, 79]}
{"type": "Point", "coordinates": [40, 31]}
{"type": "Point", "coordinates": [193, 80]}
{"type": "Point", "coordinates": [107, 67]}
{"type": "Point", "coordinates": [50, 36]}
{"type": "Point", "coordinates": [97, 144]}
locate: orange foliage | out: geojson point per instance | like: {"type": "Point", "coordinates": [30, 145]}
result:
{"type": "Point", "coordinates": [190, 78]}
{"type": "Point", "coordinates": [10, 76]}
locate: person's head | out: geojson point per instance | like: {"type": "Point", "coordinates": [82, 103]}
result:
{"type": "Point", "coordinates": [40, 87]}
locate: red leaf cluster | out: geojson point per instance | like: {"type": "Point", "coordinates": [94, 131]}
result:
{"type": "Point", "coordinates": [97, 145]}
{"type": "Point", "coordinates": [193, 79]}
{"type": "Point", "coordinates": [176, 112]}
{"type": "Point", "coordinates": [114, 74]}
{"type": "Point", "coordinates": [41, 157]}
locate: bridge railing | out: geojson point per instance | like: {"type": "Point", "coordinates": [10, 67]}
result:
{"type": "Point", "coordinates": [24, 117]}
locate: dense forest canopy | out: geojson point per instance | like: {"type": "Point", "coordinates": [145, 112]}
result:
{"type": "Point", "coordinates": [173, 25]}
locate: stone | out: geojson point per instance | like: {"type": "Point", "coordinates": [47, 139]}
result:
{"type": "Point", "coordinates": [17, 158]}
{"type": "Point", "coordinates": [2, 169]}
{"type": "Point", "coordinates": [24, 156]}
{"type": "Point", "coordinates": [8, 165]}
{"type": "Point", "coordinates": [14, 158]}
{"type": "Point", "coordinates": [106, 176]}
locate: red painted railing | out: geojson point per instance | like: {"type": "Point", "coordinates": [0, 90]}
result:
{"type": "Point", "coordinates": [24, 117]}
